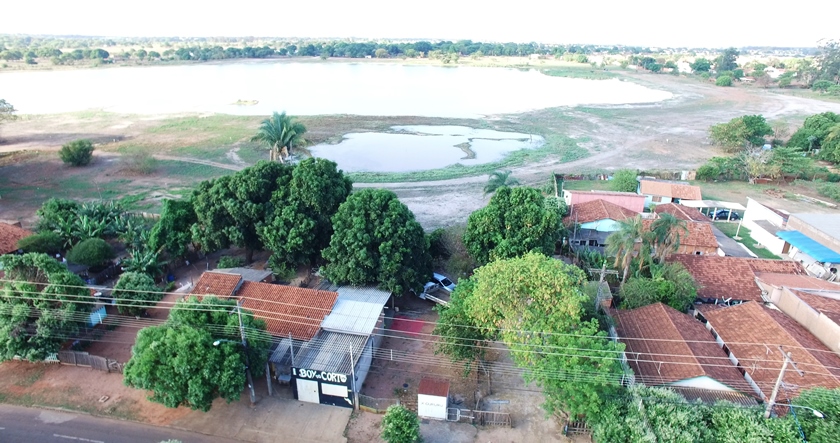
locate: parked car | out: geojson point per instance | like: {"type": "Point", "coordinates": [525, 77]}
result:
{"type": "Point", "coordinates": [723, 214]}
{"type": "Point", "coordinates": [445, 283]}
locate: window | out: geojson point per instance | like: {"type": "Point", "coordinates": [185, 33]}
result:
{"type": "Point", "coordinates": [698, 252]}
{"type": "Point", "coordinates": [656, 199]}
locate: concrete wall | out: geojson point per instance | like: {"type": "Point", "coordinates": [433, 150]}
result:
{"type": "Point", "coordinates": [757, 211]}
{"type": "Point", "coordinates": [794, 223]}
{"type": "Point", "coordinates": [662, 200]}
{"type": "Point", "coordinates": [605, 225]}
{"type": "Point", "coordinates": [769, 241]}
{"type": "Point", "coordinates": [703, 250]}
{"type": "Point", "coordinates": [824, 328]}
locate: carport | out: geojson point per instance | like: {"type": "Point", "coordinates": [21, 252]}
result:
{"type": "Point", "coordinates": [712, 206]}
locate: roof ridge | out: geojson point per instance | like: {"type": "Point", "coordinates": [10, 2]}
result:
{"type": "Point", "coordinates": [680, 333]}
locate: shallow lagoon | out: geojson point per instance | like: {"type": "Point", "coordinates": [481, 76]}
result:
{"type": "Point", "coordinates": [314, 88]}
{"type": "Point", "coordinates": [418, 148]}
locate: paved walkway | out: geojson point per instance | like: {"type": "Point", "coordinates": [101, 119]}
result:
{"type": "Point", "coordinates": [730, 247]}
{"type": "Point", "coordinates": [277, 418]}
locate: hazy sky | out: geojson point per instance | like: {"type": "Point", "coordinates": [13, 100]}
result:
{"type": "Point", "coordinates": [712, 23]}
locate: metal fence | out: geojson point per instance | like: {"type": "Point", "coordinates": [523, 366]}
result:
{"type": "Point", "coordinates": [376, 405]}
{"type": "Point", "coordinates": [78, 358]}
{"type": "Point", "coordinates": [492, 418]}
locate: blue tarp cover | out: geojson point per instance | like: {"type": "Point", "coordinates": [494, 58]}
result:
{"type": "Point", "coordinates": [809, 246]}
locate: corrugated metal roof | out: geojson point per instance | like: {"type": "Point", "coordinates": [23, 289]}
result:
{"type": "Point", "coordinates": [356, 310]}
{"type": "Point", "coordinates": [809, 246]}
{"type": "Point", "coordinates": [330, 352]}
{"type": "Point", "coordinates": [248, 274]}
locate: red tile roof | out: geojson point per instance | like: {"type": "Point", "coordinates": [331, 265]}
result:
{"type": "Point", "coordinates": [753, 334]}
{"type": "Point", "coordinates": [699, 234]}
{"type": "Point", "coordinates": [287, 309]}
{"type": "Point", "coordinates": [9, 237]}
{"type": "Point", "coordinates": [725, 277]}
{"type": "Point", "coordinates": [433, 386]}
{"type": "Point", "coordinates": [796, 281]}
{"type": "Point", "coordinates": [219, 284]}
{"type": "Point", "coordinates": [597, 210]}
{"type": "Point", "coordinates": [669, 189]}
{"type": "Point", "coordinates": [821, 302]}
{"type": "Point", "coordinates": [665, 346]}
{"type": "Point", "coordinates": [682, 212]}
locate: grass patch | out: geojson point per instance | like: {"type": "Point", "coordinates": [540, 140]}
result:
{"type": "Point", "coordinates": [586, 71]}
{"type": "Point", "coordinates": [587, 185]}
{"type": "Point", "coordinates": [190, 170]}
{"type": "Point", "coordinates": [731, 228]}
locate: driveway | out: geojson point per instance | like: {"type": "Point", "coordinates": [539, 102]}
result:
{"type": "Point", "coordinates": [730, 247]}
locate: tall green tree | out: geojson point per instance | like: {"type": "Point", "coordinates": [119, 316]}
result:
{"type": "Point", "coordinates": [7, 111]}
{"type": "Point", "coordinates": [230, 208]}
{"type": "Point", "coordinates": [828, 61]}
{"type": "Point", "coordinates": [278, 132]}
{"type": "Point", "coordinates": [625, 243]}
{"type": "Point", "coordinates": [135, 292]}
{"type": "Point", "coordinates": [299, 225]}
{"type": "Point", "coordinates": [459, 338]}
{"type": "Point", "coordinates": [727, 61]}
{"type": "Point", "coordinates": [534, 304]}
{"type": "Point", "coordinates": [624, 180]}
{"type": "Point", "coordinates": [516, 221]}
{"type": "Point", "coordinates": [180, 362]}
{"type": "Point", "coordinates": [172, 231]}
{"type": "Point", "coordinates": [667, 232]}
{"type": "Point", "coordinates": [701, 65]}
{"type": "Point", "coordinates": [498, 179]}
{"type": "Point", "coordinates": [376, 240]}
{"type": "Point", "coordinates": [741, 132]}
{"type": "Point", "coordinates": [42, 305]}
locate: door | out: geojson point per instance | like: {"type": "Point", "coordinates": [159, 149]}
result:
{"type": "Point", "coordinates": [308, 391]}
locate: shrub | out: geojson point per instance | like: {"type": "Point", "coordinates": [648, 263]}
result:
{"type": "Point", "coordinates": [830, 190]}
{"type": "Point", "coordinates": [707, 172]}
{"type": "Point", "coordinates": [399, 425]}
{"type": "Point", "coordinates": [76, 153]}
{"type": "Point", "coordinates": [724, 80]}
{"type": "Point", "coordinates": [227, 261]}
{"type": "Point", "coordinates": [135, 292]}
{"type": "Point", "coordinates": [437, 248]}
{"type": "Point", "coordinates": [46, 242]}
{"type": "Point", "coordinates": [91, 252]}
{"type": "Point", "coordinates": [821, 85]}
{"type": "Point", "coordinates": [624, 180]}
{"type": "Point", "coordinates": [140, 163]}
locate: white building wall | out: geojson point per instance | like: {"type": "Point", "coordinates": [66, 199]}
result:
{"type": "Point", "coordinates": [431, 406]}
{"type": "Point", "coordinates": [757, 211]}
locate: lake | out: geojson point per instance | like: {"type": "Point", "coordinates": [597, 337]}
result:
{"type": "Point", "coordinates": [310, 89]}
{"type": "Point", "coordinates": [417, 148]}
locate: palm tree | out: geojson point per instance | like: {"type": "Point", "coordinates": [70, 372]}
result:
{"type": "Point", "coordinates": [280, 132]}
{"type": "Point", "coordinates": [622, 243]}
{"type": "Point", "coordinates": [666, 232]}
{"type": "Point", "coordinates": [497, 180]}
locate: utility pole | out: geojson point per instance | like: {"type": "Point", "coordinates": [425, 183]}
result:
{"type": "Point", "coordinates": [247, 359]}
{"type": "Point", "coordinates": [772, 400]}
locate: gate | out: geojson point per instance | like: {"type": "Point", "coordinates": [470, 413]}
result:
{"type": "Point", "coordinates": [78, 358]}
{"type": "Point", "coordinates": [492, 418]}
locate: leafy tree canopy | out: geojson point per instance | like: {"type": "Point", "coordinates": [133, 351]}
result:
{"type": "Point", "coordinates": [624, 180]}
{"type": "Point", "coordinates": [741, 132]}
{"type": "Point", "coordinates": [135, 292]}
{"type": "Point", "coordinates": [7, 111]}
{"type": "Point", "coordinates": [46, 242]}
{"type": "Point", "coordinates": [42, 307]}
{"type": "Point", "coordinates": [179, 363]}
{"type": "Point", "coordinates": [534, 304]}
{"type": "Point", "coordinates": [516, 221]}
{"type": "Point", "coordinates": [400, 425]}
{"type": "Point", "coordinates": [229, 208]}
{"type": "Point", "coordinates": [91, 252]}
{"type": "Point", "coordinates": [727, 60]}
{"type": "Point", "coordinates": [819, 131]}
{"type": "Point", "coordinates": [300, 226]}
{"type": "Point", "coordinates": [670, 284]}
{"type": "Point", "coordinates": [377, 241]}
{"type": "Point", "coordinates": [173, 230]}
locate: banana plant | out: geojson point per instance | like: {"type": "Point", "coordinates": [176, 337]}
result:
{"type": "Point", "coordinates": [146, 261]}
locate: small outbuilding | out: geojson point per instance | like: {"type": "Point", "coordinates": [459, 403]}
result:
{"type": "Point", "coordinates": [432, 398]}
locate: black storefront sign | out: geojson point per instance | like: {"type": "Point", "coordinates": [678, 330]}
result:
{"type": "Point", "coordinates": [329, 388]}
